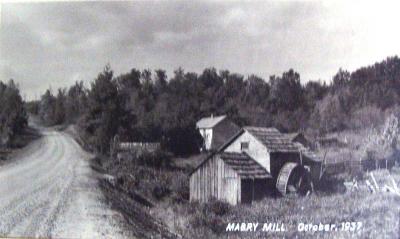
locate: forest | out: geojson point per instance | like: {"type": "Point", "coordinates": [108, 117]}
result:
{"type": "Point", "coordinates": [147, 105]}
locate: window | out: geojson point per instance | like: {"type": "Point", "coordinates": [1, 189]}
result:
{"type": "Point", "coordinates": [244, 146]}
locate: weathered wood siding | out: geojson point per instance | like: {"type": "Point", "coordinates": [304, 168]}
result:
{"type": "Point", "coordinates": [215, 179]}
{"type": "Point", "coordinates": [256, 149]}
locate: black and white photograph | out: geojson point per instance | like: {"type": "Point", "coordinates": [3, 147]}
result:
{"type": "Point", "coordinates": [199, 119]}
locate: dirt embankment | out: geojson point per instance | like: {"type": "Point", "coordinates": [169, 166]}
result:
{"type": "Point", "coordinates": [131, 204]}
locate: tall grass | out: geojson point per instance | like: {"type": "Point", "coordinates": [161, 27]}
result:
{"type": "Point", "coordinates": [378, 212]}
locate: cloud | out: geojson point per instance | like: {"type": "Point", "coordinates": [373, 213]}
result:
{"type": "Point", "coordinates": [55, 44]}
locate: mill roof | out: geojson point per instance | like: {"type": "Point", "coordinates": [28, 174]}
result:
{"type": "Point", "coordinates": [244, 165]}
{"type": "Point", "coordinates": [292, 136]}
{"type": "Point", "coordinates": [210, 122]}
{"type": "Point", "coordinates": [272, 139]}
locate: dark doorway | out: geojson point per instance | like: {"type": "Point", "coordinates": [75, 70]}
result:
{"type": "Point", "coordinates": [247, 193]}
{"type": "Point", "coordinates": [260, 189]}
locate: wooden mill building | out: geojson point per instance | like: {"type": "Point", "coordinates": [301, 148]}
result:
{"type": "Point", "coordinates": [249, 166]}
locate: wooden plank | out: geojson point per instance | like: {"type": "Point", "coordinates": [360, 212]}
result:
{"type": "Point", "coordinates": [197, 185]}
{"type": "Point", "coordinates": [239, 190]}
{"type": "Point", "coordinates": [212, 177]}
{"type": "Point", "coordinates": [215, 177]}
{"type": "Point", "coordinates": [201, 182]}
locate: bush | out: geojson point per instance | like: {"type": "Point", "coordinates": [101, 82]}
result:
{"type": "Point", "coordinates": [158, 159]}
{"type": "Point", "coordinates": [180, 186]}
{"type": "Point", "coordinates": [369, 116]}
{"type": "Point", "coordinates": [218, 207]}
{"type": "Point", "coordinates": [161, 191]}
{"type": "Point", "coordinates": [13, 116]}
{"type": "Point", "coordinates": [211, 215]}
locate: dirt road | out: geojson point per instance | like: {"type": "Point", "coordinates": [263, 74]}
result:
{"type": "Point", "coordinates": [51, 191]}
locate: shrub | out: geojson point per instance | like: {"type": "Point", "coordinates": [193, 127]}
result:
{"type": "Point", "coordinates": [180, 185]}
{"type": "Point", "coordinates": [161, 191]}
{"type": "Point", "coordinates": [218, 207]}
{"type": "Point", "coordinates": [211, 215]}
{"type": "Point", "coordinates": [158, 159]}
{"type": "Point", "coordinates": [13, 116]}
{"type": "Point", "coordinates": [216, 224]}
{"type": "Point", "coordinates": [369, 116]}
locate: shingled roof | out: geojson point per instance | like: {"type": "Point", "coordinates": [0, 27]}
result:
{"type": "Point", "coordinates": [244, 165]}
{"type": "Point", "coordinates": [272, 139]}
{"type": "Point", "coordinates": [308, 153]}
{"type": "Point", "coordinates": [210, 122]}
{"type": "Point", "coordinates": [292, 136]}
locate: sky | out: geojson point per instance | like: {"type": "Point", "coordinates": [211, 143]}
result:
{"type": "Point", "coordinates": [54, 44]}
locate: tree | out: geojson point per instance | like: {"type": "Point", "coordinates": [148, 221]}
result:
{"type": "Point", "coordinates": [329, 114]}
{"type": "Point", "coordinates": [47, 108]}
{"type": "Point", "coordinates": [76, 102]}
{"type": "Point", "coordinates": [59, 107]}
{"type": "Point", "coordinates": [287, 91]}
{"type": "Point", "coordinates": [341, 79]}
{"type": "Point", "coordinates": [161, 81]}
{"type": "Point", "coordinates": [103, 117]}
{"type": "Point", "coordinates": [13, 116]}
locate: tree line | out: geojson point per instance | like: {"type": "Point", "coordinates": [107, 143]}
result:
{"type": "Point", "coordinates": [146, 105]}
{"type": "Point", "coordinates": [13, 116]}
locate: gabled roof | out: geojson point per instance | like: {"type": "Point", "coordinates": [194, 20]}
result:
{"type": "Point", "coordinates": [272, 139]}
{"type": "Point", "coordinates": [307, 152]}
{"type": "Point", "coordinates": [210, 122]}
{"type": "Point", "coordinates": [244, 165]}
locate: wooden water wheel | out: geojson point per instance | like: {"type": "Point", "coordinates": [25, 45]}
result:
{"type": "Point", "coordinates": [293, 179]}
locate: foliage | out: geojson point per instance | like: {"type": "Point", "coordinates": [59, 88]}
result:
{"type": "Point", "coordinates": [32, 107]}
{"type": "Point", "coordinates": [104, 112]}
{"type": "Point", "coordinates": [13, 116]}
{"type": "Point", "coordinates": [329, 114]}
{"type": "Point", "coordinates": [382, 143]}
{"type": "Point", "coordinates": [47, 108]}
{"type": "Point", "coordinates": [148, 106]}
{"type": "Point", "coordinates": [366, 117]}
{"type": "Point", "coordinates": [157, 159]}
{"type": "Point", "coordinates": [161, 191]}
{"type": "Point", "coordinates": [211, 215]}
{"type": "Point", "coordinates": [180, 186]}
{"type": "Point", "coordinates": [194, 220]}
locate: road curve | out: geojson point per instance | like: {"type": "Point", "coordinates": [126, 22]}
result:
{"type": "Point", "coordinates": [51, 191]}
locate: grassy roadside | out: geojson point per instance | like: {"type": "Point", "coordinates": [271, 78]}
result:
{"type": "Point", "coordinates": [154, 203]}
{"type": "Point", "coordinates": [378, 212]}
{"type": "Point", "coordinates": [130, 202]}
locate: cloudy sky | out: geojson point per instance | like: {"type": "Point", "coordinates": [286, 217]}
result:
{"type": "Point", "coordinates": [56, 44]}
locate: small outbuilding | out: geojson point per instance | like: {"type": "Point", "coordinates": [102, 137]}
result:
{"type": "Point", "coordinates": [229, 176]}
{"type": "Point", "coordinates": [215, 130]}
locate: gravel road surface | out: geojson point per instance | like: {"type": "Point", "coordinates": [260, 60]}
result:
{"type": "Point", "coordinates": [49, 190]}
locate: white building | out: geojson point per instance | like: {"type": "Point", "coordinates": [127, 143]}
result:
{"type": "Point", "coordinates": [215, 130]}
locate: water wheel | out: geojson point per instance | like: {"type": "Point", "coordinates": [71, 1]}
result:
{"type": "Point", "coordinates": [293, 179]}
